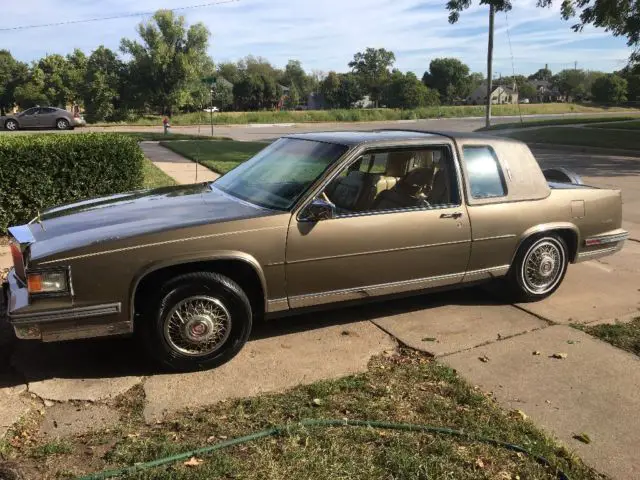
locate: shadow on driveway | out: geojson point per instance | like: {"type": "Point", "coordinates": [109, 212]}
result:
{"type": "Point", "coordinates": [25, 361]}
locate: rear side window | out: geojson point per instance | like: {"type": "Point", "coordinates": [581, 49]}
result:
{"type": "Point", "coordinates": [485, 176]}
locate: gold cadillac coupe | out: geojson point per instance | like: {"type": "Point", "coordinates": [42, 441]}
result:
{"type": "Point", "coordinates": [311, 220]}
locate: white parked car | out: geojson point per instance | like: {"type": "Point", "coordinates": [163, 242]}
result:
{"type": "Point", "coordinates": [212, 109]}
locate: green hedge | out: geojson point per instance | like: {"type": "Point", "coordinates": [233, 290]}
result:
{"type": "Point", "coordinates": [42, 171]}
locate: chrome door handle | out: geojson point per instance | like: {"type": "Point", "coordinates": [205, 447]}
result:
{"type": "Point", "coordinates": [451, 215]}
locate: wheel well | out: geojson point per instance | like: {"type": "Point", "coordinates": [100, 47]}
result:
{"type": "Point", "coordinates": [241, 272]}
{"type": "Point", "coordinates": [62, 118]}
{"type": "Point", "coordinates": [571, 239]}
{"type": "Point", "coordinates": [11, 120]}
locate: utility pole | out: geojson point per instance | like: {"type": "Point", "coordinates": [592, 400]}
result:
{"type": "Point", "coordinates": [490, 66]}
{"type": "Point", "coordinates": [575, 66]}
{"type": "Point", "coordinates": [211, 110]}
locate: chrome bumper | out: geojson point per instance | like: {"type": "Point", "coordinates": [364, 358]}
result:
{"type": "Point", "coordinates": [61, 324]}
{"type": "Point", "coordinates": [602, 245]}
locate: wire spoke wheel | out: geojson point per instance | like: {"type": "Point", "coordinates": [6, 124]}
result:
{"type": "Point", "coordinates": [543, 266]}
{"type": "Point", "coordinates": [197, 326]}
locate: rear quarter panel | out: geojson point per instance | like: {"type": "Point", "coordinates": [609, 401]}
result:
{"type": "Point", "coordinates": [499, 228]}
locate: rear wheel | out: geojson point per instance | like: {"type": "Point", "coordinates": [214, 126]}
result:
{"type": "Point", "coordinates": [62, 124]}
{"type": "Point", "coordinates": [199, 320]}
{"type": "Point", "coordinates": [539, 268]}
{"type": "Point", "coordinates": [11, 125]}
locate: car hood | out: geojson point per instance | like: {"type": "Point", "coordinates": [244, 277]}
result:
{"type": "Point", "coordinates": [125, 215]}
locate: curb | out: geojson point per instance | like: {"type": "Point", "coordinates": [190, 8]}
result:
{"type": "Point", "coordinates": [578, 148]}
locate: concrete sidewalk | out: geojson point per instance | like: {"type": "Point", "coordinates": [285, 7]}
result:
{"type": "Point", "coordinates": [181, 169]}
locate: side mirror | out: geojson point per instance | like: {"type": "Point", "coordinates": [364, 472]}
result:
{"type": "Point", "coordinates": [318, 210]}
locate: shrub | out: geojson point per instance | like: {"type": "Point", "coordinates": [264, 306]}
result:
{"type": "Point", "coordinates": [41, 171]}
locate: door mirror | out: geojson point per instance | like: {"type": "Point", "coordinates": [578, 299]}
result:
{"type": "Point", "coordinates": [318, 210]}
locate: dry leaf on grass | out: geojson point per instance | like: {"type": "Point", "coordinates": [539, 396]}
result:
{"type": "Point", "coordinates": [193, 462]}
{"type": "Point", "coordinates": [521, 414]}
{"type": "Point", "coordinates": [583, 437]}
{"type": "Point", "coordinates": [479, 463]}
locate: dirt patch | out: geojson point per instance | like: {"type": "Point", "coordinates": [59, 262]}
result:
{"type": "Point", "coordinates": [66, 419]}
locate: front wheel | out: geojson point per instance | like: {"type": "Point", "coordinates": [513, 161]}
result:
{"type": "Point", "coordinates": [539, 267]}
{"type": "Point", "coordinates": [199, 321]}
{"type": "Point", "coordinates": [62, 124]}
{"type": "Point", "coordinates": [11, 125]}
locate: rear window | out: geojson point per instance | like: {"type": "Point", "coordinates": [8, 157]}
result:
{"type": "Point", "coordinates": [485, 176]}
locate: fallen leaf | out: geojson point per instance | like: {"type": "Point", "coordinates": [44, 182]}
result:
{"type": "Point", "coordinates": [560, 356]}
{"type": "Point", "coordinates": [547, 401]}
{"type": "Point", "coordinates": [571, 342]}
{"type": "Point", "coordinates": [520, 414]}
{"type": "Point", "coordinates": [429, 339]}
{"type": "Point", "coordinates": [479, 463]}
{"type": "Point", "coordinates": [212, 439]}
{"type": "Point", "coordinates": [484, 359]}
{"type": "Point", "coordinates": [133, 435]}
{"type": "Point", "coordinates": [316, 402]}
{"type": "Point", "coordinates": [536, 353]}
{"type": "Point", "coordinates": [222, 437]}
{"type": "Point", "coordinates": [583, 437]}
{"type": "Point", "coordinates": [502, 475]}
{"type": "Point", "coordinates": [193, 462]}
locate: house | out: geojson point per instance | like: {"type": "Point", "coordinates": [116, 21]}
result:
{"type": "Point", "coordinates": [547, 93]}
{"type": "Point", "coordinates": [501, 94]}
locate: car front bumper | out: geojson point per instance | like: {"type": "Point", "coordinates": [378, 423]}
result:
{"type": "Point", "coordinates": [72, 323]}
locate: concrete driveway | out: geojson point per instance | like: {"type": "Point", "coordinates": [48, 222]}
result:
{"type": "Point", "coordinates": [457, 326]}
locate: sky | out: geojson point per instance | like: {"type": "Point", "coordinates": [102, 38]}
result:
{"type": "Point", "coordinates": [325, 34]}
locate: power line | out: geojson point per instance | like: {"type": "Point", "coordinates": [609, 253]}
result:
{"type": "Point", "coordinates": [513, 64]}
{"type": "Point", "coordinates": [114, 17]}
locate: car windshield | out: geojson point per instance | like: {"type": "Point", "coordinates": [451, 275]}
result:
{"type": "Point", "coordinates": [281, 173]}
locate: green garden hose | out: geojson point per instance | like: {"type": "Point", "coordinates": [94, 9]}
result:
{"type": "Point", "coordinates": [408, 427]}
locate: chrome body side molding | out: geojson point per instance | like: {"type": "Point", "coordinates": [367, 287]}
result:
{"type": "Point", "coordinates": [356, 293]}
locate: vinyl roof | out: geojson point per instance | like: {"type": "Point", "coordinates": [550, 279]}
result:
{"type": "Point", "coordinates": [352, 138]}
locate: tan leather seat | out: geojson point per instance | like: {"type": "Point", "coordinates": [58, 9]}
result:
{"type": "Point", "coordinates": [346, 193]}
{"type": "Point", "coordinates": [441, 190]}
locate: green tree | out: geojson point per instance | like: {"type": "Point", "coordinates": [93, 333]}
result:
{"type": "Point", "coordinates": [74, 75]}
{"type": "Point", "coordinates": [12, 75]}
{"type": "Point", "coordinates": [248, 93]}
{"type": "Point", "coordinates": [55, 88]}
{"type": "Point", "coordinates": [166, 61]}
{"type": "Point", "coordinates": [571, 83]}
{"type": "Point", "coordinates": [341, 90]}
{"type": "Point", "coordinates": [31, 92]}
{"type": "Point", "coordinates": [620, 18]}
{"type": "Point", "coordinates": [229, 71]}
{"type": "Point", "coordinates": [450, 77]}
{"type": "Point", "coordinates": [542, 74]}
{"type": "Point", "coordinates": [610, 88]}
{"type": "Point", "coordinates": [293, 97]}
{"type": "Point", "coordinates": [407, 91]}
{"type": "Point", "coordinates": [372, 68]}
{"type": "Point", "coordinates": [103, 78]}
{"type": "Point", "coordinates": [294, 74]}
{"type": "Point", "coordinates": [223, 94]}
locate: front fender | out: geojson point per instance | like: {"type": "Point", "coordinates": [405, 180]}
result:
{"type": "Point", "coordinates": [195, 257]}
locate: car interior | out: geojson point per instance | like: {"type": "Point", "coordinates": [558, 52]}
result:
{"type": "Point", "coordinates": [395, 180]}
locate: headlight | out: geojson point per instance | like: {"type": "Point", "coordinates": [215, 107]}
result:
{"type": "Point", "coordinates": [49, 282]}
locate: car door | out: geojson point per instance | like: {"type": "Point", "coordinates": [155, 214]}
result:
{"type": "Point", "coordinates": [47, 117]}
{"type": "Point", "coordinates": [29, 118]}
{"type": "Point", "coordinates": [395, 244]}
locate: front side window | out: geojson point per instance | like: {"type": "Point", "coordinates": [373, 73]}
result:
{"type": "Point", "coordinates": [31, 111]}
{"type": "Point", "coordinates": [281, 173]}
{"type": "Point", "coordinates": [485, 176]}
{"type": "Point", "coordinates": [395, 179]}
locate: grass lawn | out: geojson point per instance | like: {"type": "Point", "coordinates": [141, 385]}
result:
{"type": "Point", "coordinates": [369, 114]}
{"type": "Point", "coordinates": [584, 137]}
{"type": "Point", "coordinates": [154, 177]}
{"type": "Point", "coordinates": [602, 122]}
{"type": "Point", "coordinates": [634, 125]}
{"type": "Point", "coordinates": [622, 335]}
{"type": "Point", "coordinates": [219, 156]}
{"type": "Point", "coordinates": [159, 136]}
{"type": "Point", "coordinates": [404, 387]}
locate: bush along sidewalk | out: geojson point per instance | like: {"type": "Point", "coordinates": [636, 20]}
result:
{"type": "Point", "coordinates": [41, 171]}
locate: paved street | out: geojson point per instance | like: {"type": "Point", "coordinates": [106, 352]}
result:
{"type": "Point", "coordinates": [566, 397]}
